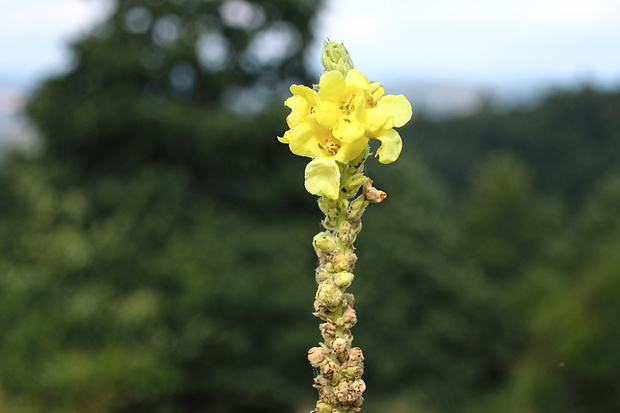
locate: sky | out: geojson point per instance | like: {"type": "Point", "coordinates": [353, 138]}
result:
{"type": "Point", "coordinates": [474, 42]}
{"type": "Point", "coordinates": [480, 41]}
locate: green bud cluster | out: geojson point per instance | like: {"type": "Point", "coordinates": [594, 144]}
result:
{"type": "Point", "coordinates": [341, 366]}
{"type": "Point", "coordinates": [336, 57]}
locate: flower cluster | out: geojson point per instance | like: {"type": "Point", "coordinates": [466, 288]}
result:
{"type": "Point", "coordinates": [334, 123]}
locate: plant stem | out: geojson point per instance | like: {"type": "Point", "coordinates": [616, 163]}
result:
{"type": "Point", "coordinates": [341, 366]}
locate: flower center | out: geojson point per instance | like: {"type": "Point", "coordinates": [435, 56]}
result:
{"type": "Point", "coordinates": [331, 147]}
{"type": "Point", "coordinates": [348, 107]}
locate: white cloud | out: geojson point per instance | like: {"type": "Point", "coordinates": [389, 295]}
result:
{"type": "Point", "coordinates": [461, 40]}
{"type": "Point", "coordinates": [28, 17]}
{"type": "Point", "coordinates": [34, 34]}
{"type": "Point", "coordinates": [478, 40]}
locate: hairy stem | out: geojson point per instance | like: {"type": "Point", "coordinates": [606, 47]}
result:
{"type": "Point", "coordinates": [341, 366]}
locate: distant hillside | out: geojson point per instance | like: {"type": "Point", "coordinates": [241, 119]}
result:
{"type": "Point", "coordinates": [569, 140]}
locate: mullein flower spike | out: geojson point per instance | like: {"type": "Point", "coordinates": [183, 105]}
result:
{"type": "Point", "coordinates": [332, 124]}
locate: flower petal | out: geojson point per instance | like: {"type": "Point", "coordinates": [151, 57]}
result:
{"type": "Point", "coordinates": [323, 178]}
{"type": "Point", "coordinates": [300, 108]}
{"type": "Point", "coordinates": [305, 92]}
{"type": "Point", "coordinates": [327, 114]}
{"type": "Point", "coordinates": [375, 119]}
{"type": "Point", "coordinates": [304, 141]}
{"type": "Point", "coordinates": [398, 106]}
{"type": "Point", "coordinates": [350, 151]}
{"type": "Point", "coordinates": [286, 138]}
{"type": "Point", "coordinates": [348, 130]}
{"type": "Point", "coordinates": [331, 86]}
{"type": "Point", "coordinates": [357, 80]}
{"type": "Point", "coordinates": [376, 92]}
{"type": "Point", "coordinates": [359, 103]}
{"type": "Point", "coordinates": [391, 145]}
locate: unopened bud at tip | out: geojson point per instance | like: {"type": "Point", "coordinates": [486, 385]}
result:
{"type": "Point", "coordinates": [336, 57]}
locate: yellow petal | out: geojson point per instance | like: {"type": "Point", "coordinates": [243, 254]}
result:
{"type": "Point", "coordinates": [357, 80]}
{"type": "Point", "coordinates": [300, 108]}
{"type": "Point", "coordinates": [376, 92]}
{"type": "Point", "coordinates": [323, 178]}
{"type": "Point", "coordinates": [398, 106]}
{"type": "Point", "coordinates": [348, 130]}
{"type": "Point", "coordinates": [332, 86]}
{"type": "Point", "coordinates": [305, 92]}
{"type": "Point", "coordinates": [359, 102]}
{"type": "Point", "coordinates": [349, 151]}
{"type": "Point", "coordinates": [390, 148]}
{"type": "Point", "coordinates": [304, 141]}
{"type": "Point", "coordinates": [375, 119]}
{"type": "Point", "coordinates": [327, 114]}
{"type": "Point", "coordinates": [286, 138]}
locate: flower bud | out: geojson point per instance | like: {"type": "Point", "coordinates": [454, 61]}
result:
{"type": "Point", "coordinates": [349, 300]}
{"type": "Point", "coordinates": [357, 207]}
{"type": "Point", "coordinates": [336, 57]}
{"type": "Point", "coordinates": [324, 242]}
{"type": "Point", "coordinates": [328, 266]}
{"type": "Point", "coordinates": [321, 275]}
{"type": "Point", "coordinates": [356, 357]}
{"type": "Point", "coordinates": [329, 294]}
{"type": "Point", "coordinates": [327, 207]}
{"type": "Point", "coordinates": [348, 319]}
{"type": "Point", "coordinates": [328, 331]}
{"type": "Point", "coordinates": [349, 392]}
{"type": "Point", "coordinates": [316, 356]}
{"type": "Point", "coordinates": [322, 407]}
{"type": "Point", "coordinates": [323, 205]}
{"type": "Point", "coordinates": [339, 345]}
{"type": "Point", "coordinates": [321, 311]}
{"type": "Point", "coordinates": [329, 370]}
{"type": "Point", "coordinates": [343, 279]}
{"type": "Point", "coordinates": [330, 222]}
{"type": "Point", "coordinates": [357, 165]}
{"type": "Point", "coordinates": [353, 184]}
{"type": "Point", "coordinates": [341, 391]}
{"type": "Point", "coordinates": [353, 371]}
{"type": "Point", "coordinates": [344, 233]}
{"type": "Point", "coordinates": [344, 262]}
{"type": "Point", "coordinates": [358, 385]}
{"type": "Point", "coordinates": [326, 396]}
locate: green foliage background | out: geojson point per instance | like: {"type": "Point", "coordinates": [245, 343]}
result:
{"type": "Point", "coordinates": [155, 251]}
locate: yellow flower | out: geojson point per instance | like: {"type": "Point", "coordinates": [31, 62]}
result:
{"type": "Point", "coordinates": [322, 173]}
{"type": "Point", "coordinates": [384, 113]}
{"type": "Point", "coordinates": [341, 104]}
{"type": "Point", "coordinates": [334, 125]}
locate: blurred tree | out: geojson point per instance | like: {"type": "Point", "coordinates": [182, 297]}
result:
{"type": "Point", "coordinates": [171, 83]}
{"type": "Point", "coordinates": [158, 305]}
{"type": "Point", "coordinates": [568, 141]}
{"type": "Point", "coordinates": [504, 224]}
{"type": "Point", "coordinates": [153, 250]}
{"type": "Point", "coordinates": [137, 274]}
{"type": "Point", "coordinates": [572, 361]}
{"type": "Point", "coordinates": [431, 327]}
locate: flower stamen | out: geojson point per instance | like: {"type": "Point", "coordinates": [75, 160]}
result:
{"type": "Point", "coordinates": [331, 147]}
